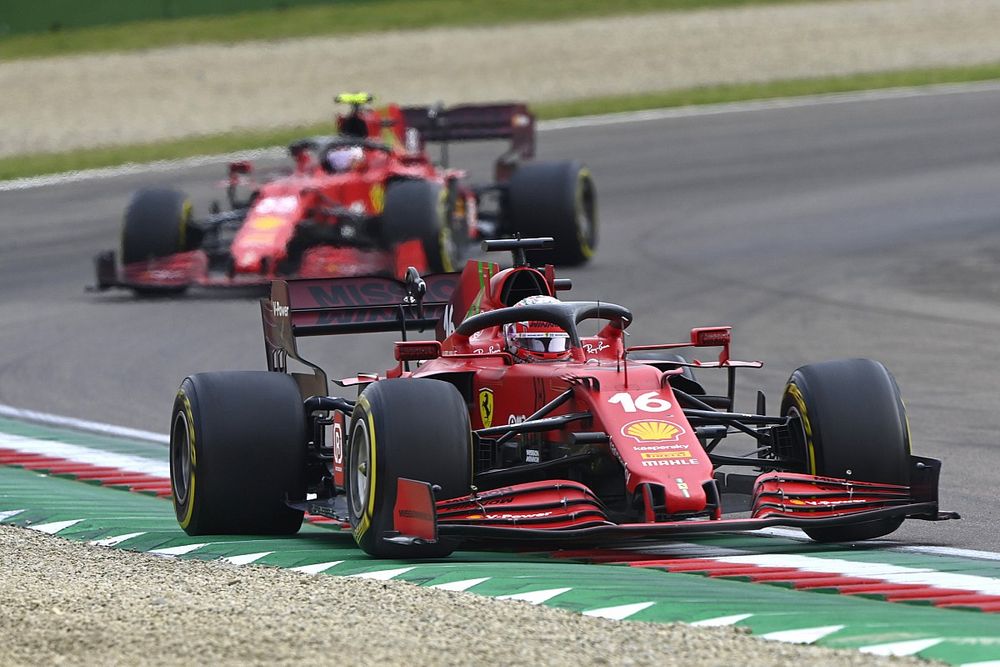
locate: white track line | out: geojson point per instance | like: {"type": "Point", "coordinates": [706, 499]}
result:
{"type": "Point", "coordinates": [535, 597]}
{"type": "Point", "coordinates": [88, 455]}
{"type": "Point", "coordinates": [893, 574]}
{"type": "Point", "coordinates": [47, 419]}
{"type": "Point", "coordinates": [620, 612]}
{"type": "Point", "coordinates": [544, 126]}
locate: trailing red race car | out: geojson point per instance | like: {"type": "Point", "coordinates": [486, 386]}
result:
{"type": "Point", "coordinates": [512, 425]}
{"type": "Point", "coordinates": [369, 201]}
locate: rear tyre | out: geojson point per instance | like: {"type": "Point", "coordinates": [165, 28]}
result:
{"type": "Point", "coordinates": [413, 428]}
{"type": "Point", "coordinates": [853, 427]}
{"type": "Point", "coordinates": [556, 199]}
{"type": "Point", "coordinates": [155, 225]}
{"type": "Point", "coordinates": [238, 453]}
{"type": "Point", "coordinates": [419, 210]}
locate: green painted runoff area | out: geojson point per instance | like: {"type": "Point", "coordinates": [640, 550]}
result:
{"type": "Point", "coordinates": [968, 636]}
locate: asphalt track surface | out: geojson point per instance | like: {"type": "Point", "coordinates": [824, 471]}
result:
{"type": "Point", "coordinates": [867, 228]}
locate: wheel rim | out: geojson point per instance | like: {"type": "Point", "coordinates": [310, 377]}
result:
{"type": "Point", "coordinates": [180, 458]}
{"type": "Point", "coordinates": [359, 462]}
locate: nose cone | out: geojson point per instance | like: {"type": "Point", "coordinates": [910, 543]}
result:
{"type": "Point", "coordinates": [248, 261]}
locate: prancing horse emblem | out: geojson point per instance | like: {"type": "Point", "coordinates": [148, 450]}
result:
{"type": "Point", "coordinates": [486, 406]}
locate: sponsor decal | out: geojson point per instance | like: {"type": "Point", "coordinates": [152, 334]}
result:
{"type": "Point", "coordinates": [531, 456]}
{"type": "Point", "coordinates": [282, 205]}
{"type": "Point", "coordinates": [655, 456]}
{"type": "Point", "coordinates": [416, 514]}
{"type": "Point", "coordinates": [653, 430]}
{"type": "Point", "coordinates": [278, 309]}
{"type": "Point", "coordinates": [486, 406]}
{"type": "Point", "coordinates": [516, 419]}
{"type": "Point", "coordinates": [594, 349]}
{"type": "Point", "coordinates": [492, 349]}
{"type": "Point", "coordinates": [503, 500]}
{"type": "Point", "coordinates": [670, 462]}
{"type": "Point", "coordinates": [657, 448]}
{"type": "Point", "coordinates": [375, 292]}
{"type": "Point", "coordinates": [682, 487]}
{"type": "Point", "coordinates": [338, 444]}
{"type": "Point", "coordinates": [265, 223]}
{"type": "Point", "coordinates": [533, 515]}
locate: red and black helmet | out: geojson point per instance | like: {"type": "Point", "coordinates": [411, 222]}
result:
{"type": "Point", "coordinates": [536, 341]}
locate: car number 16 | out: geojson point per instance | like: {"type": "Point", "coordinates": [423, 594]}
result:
{"type": "Point", "coordinates": [648, 402]}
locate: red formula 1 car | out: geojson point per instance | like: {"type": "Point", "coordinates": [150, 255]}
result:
{"type": "Point", "coordinates": [514, 425]}
{"type": "Point", "coordinates": [369, 201]}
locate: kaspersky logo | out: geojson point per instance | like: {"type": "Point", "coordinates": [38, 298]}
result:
{"type": "Point", "coordinates": [653, 430]}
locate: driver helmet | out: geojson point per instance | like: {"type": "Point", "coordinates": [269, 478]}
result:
{"type": "Point", "coordinates": [344, 158]}
{"type": "Point", "coordinates": [536, 341]}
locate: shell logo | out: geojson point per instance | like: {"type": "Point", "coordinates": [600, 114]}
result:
{"type": "Point", "coordinates": [653, 430]}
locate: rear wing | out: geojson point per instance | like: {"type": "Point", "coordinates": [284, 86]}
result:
{"type": "Point", "coordinates": [477, 122]}
{"type": "Point", "coordinates": [331, 306]}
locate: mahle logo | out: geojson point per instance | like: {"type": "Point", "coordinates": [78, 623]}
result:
{"type": "Point", "coordinates": [653, 430]}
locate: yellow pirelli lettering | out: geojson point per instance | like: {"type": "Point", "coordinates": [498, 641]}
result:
{"type": "Point", "coordinates": [800, 403]}
{"type": "Point", "coordinates": [189, 500]}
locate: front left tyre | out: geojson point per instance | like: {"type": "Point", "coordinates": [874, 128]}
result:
{"type": "Point", "coordinates": [411, 428]}
{"type": "Point", "coordinates": [156, 225]}
{"type": "Point", "coordinates": [853, 427]}
{"type": "Point", "coordinates": [238, 453]}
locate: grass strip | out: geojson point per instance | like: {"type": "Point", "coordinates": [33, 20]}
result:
{"type": "Point", "coordinates": [48, 163]}
{"type": "Point", "coordinates": [336, 19]}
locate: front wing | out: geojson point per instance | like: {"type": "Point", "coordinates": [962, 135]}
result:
{"type": "Point", "coordinates": [562, 512]}
{"type": "Point", "coordinates": [192, 268]}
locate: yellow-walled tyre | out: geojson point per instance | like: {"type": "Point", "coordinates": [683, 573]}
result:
{"type": "Point", "coordinates": [416, 209]}
{"type": "Point", "coordinates": [853, 427]}
{"type": "Point", "coordinates": [156, 224]}
{"type": "Point", "coordinates": [556, 199]}
{"type": "Point", "coordinates": [413, 428]}
{"type": "Point", "coordinates": [237, 453]}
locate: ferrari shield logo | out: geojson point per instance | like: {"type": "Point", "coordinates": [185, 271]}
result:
{"type": "Point", "coordinates": [486, 406]}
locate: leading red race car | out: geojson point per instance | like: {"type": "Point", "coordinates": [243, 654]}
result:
{"type": "Point", "coordinates": [514, 425]}
{"type": "Point", "coordinates": [367, 201]}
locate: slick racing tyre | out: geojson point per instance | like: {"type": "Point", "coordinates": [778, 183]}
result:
{"type": "Point", "coordinates": [556, 199]}
{"type": "Point", "coordinates": [156, 225]}
{"type": "Point", "coordinates": [418, 210]}
{"type": "Point", "coordinates": [237, 453]}
{"type": "Point", "coordinates": [853, 427]}
{"type": "Point", "coordinates": [413, 428]}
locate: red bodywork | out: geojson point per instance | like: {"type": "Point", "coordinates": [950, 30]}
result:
{"type": "Point", "coordinates": [655, 476]}
{"type": "Point", "coordinates": [252, 244]}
